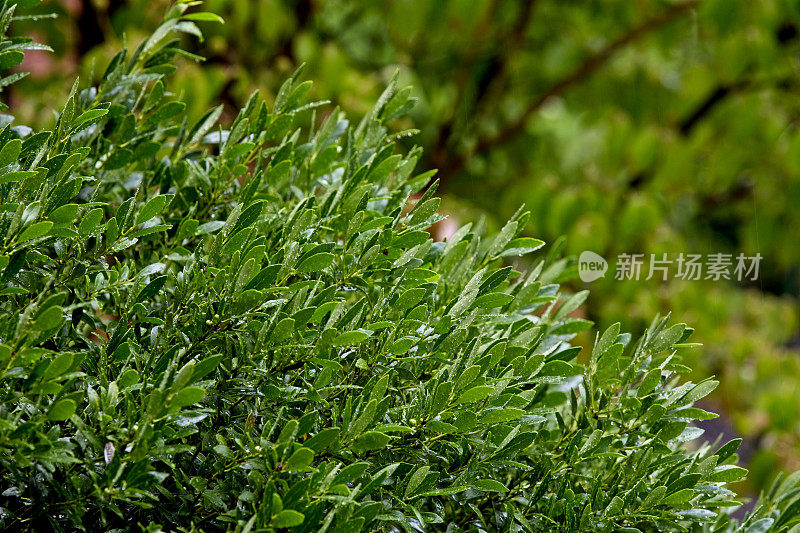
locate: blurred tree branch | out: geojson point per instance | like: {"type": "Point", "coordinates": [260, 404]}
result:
{"type": "Point", "coordinates": [516, 41]}
{"type": "Point", "coordinates": [94, 24]}
{"type": "Point", "coordinates": [490, 83]}
{"type": "Point", "coordinates": [704, 108]}
{"type": "Point", "coordinates": [726, 90]}
{"type": "Point", "coordinates": [723, 91]}
{"type": "Point", "coordinates": [585, 69]}
{"type": "Point", "coordinates": [465, 68]}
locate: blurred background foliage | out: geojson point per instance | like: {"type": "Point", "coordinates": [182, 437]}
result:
{"type": "Point", "coordinates": [640, 127]}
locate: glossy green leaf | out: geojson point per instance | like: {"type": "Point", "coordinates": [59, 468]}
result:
{"type": "Point", "coordinates": [34, 231]}
{"type": "Point", "coordinates": [62, 410]}
{"type": "Point", "coordinates": [300, 460]}
{"type": "Point", "coordinates": [315, 263]}
{"type": "Point", "coordinates": [371, 440]}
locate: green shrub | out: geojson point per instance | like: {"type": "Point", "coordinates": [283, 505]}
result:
{"type": "Point", "coordinates": [251, 329]}
{"type": "Point", "coordinates": [668, 129]}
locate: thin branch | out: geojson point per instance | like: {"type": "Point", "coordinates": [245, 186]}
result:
{"type": "Point", "coordinates": [703, 109]}
{"type": "Point", "coordinates": [717, 96]}
{"type": "Point", "coordinates": [590, 65]}
{"type": "Point", "coordinates": [724, 91]}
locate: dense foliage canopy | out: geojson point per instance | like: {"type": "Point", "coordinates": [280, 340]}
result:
{"type": "Point", "coordinates": [629, 127]}
{"type": "Point", "coordinates": [251, 328]}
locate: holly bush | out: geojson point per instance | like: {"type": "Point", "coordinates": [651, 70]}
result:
{"type": "Point", "coordinates": [251, 329]}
